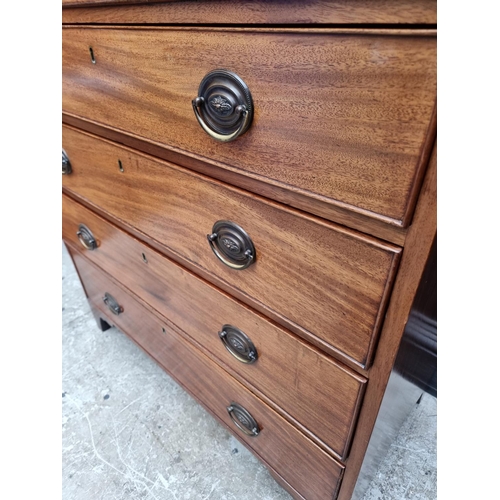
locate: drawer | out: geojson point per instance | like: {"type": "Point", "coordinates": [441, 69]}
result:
{"type": "Point", "coordinates": [285, 450]}
{"type": "Point", "coordinates": [286, 371]}
{"type": "Point", "coordinates": [324, 282]}
{"type": "Point", "coordinates": [251, 12]}
{"type": "Point", "coordinates": [339, 119]}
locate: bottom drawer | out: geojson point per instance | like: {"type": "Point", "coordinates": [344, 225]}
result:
{"type": "Point", "coordinates": [303, 468]}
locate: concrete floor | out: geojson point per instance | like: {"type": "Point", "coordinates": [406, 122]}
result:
{"type": "Point", "coordinates": [130, 432]}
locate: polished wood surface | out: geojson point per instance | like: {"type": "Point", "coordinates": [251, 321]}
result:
{"type": "Point", "coordinates": [419, 244]}
{"type": "Point", "coordinates": [340, 118]}
{"type": "Point", "coordinates": [328, 284]}
{"type": "Point", "coordinates": [335, 182]}
{"type": "Point", "coordinates": [66, 3]}
{"type": "Point", "coordinates": [255, 12]}
{"type": "Point", "coordinates": [344, 216]}
{"type": "Point", "coordinates": [287, 370]}
{"type": "Point", "coordinates": [301, 463]}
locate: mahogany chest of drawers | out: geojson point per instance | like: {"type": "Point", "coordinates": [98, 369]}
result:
{"type": "Point", "coordinates": [249, 194]}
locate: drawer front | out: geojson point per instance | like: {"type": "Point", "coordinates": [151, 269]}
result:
{"type": "Point", "coordinates": [338, 118]}
{"type": "Point", "coordinates": [323, 282]}
{"type": "Point", "coordinates": [286, 370]}
{"type": "Point", "coordinates": [301, 463]}
{"type": "Point", "coordinates": [252, 12]}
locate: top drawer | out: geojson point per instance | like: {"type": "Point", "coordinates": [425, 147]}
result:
{"type": "Point", "coordinates": [340, 121]}
{"type": "Point", "coordinates": [251, 12]}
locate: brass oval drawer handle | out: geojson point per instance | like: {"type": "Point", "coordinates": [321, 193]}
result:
{"type": "Point", "coordinates": [66, 165]}
{"type": "Point", "coordinates": [112, 304]}
{"type": "Point", "coordinates": [224, 106]}
{"type": "Point", "coordinates": [231, 244]}
{"type": "Point", "coordinates": [86, 237]}
{"type": "Point", "coordinates": [243, 420]}
{"type": "Point", "coordinates": [238, 344]}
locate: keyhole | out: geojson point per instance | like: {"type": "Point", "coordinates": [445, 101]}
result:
{"type": "Point", "coordinates": [92, 58]}
{"type": "Point", "coordinates": [163, 330]}
{"type": "Point", "coordinates": [145, 260]}
{"type": "Point", "coordinates": [120, 166]}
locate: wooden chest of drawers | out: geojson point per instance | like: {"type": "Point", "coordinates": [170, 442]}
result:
{"type": "Point", "coordinates": [267, 259]}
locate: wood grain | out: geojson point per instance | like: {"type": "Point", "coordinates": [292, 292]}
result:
{"type": "Point", "coordinates": [302, 464]}
{"type": "Point", "coordinates": [108, 2]}
{"type": "Point", "coordinates": [419, 244]}
{"type": "Point", "coordinates": [255, 12]}
{"type": "Point", "coordinates": [379, 228]}
{"type": "Point", "coordinates": [324, 282]}
{"type": "Point", "coordinates": [287, 370]}
{"type": "Point", "coordinates": [340, 118]}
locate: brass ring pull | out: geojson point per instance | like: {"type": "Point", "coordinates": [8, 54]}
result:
{"type": "Point", "coordinates": [238, 344]}
{"type": "Point", "coordinates": [86, 237]}
{"type": "Point", "coordinates": [66, 165]}
{"type": "Point", "coordinates": [221, 137]}
{"type": "Point", "coordinates": [231, 245]}
{"type": "Point", "coordinates": [112, 304]}
{"type": "Point", "coordinates": [243, 420]}
{"type": "Point", "coordinates": [224, 107]}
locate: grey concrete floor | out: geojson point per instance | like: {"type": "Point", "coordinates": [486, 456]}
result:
{"type": "Point", "coordinates": [130, 432]}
